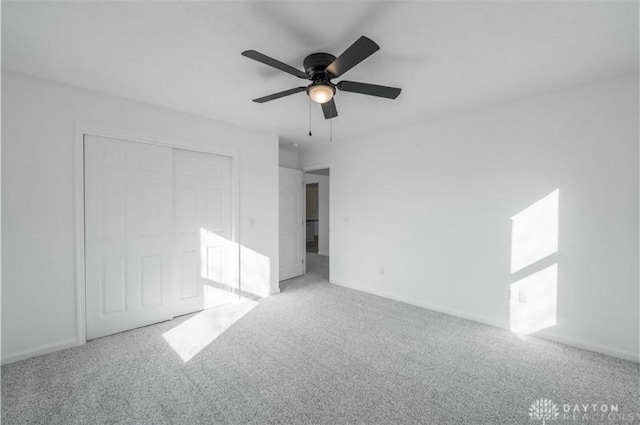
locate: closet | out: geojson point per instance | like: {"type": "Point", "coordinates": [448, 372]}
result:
{"type": "Point", "coordinates": [159, 239]}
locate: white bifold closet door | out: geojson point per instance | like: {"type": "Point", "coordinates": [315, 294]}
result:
{"type": "Point", "coordinates": [158, 234]}
{"type": "Point", "coordinates": [128, 235]}
{"type": "Point", "coordinates": [207, 257]}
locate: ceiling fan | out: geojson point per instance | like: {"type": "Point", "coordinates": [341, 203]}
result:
{"type": "Point", "coordinates": [320, 69]}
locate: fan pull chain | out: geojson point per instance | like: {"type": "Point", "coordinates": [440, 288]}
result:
{"type": "Point", "coordinates": [310, 117]}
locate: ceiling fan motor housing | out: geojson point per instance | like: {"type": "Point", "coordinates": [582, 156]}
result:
{"type": "Point", "coordinates": [315, 65]}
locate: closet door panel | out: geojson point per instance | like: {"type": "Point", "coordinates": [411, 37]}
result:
{"type": "Point", "coordinates": [206, 253]}
{"type": "Point", "coordinates": [128, 235]}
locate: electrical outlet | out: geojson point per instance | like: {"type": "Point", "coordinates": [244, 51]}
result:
{"type": "Point", "coordinates": [522, 297]}
{"type": "Point", "coordinates": [514, 295]}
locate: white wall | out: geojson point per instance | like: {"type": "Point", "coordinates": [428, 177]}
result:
{"type": "Point", "coordinates": [38, 251]}
{"type": "Point", "coordinates": [440, 197]}
{"type": "Point", "coordinates": [323, 210]}
{"type": "Point", "coordinates": [289, 158]}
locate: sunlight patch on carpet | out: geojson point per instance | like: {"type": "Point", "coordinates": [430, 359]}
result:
{"type": "Point", "coordinates": [195, 334]}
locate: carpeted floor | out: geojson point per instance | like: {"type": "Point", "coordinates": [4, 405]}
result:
{"type": "Point", "coordinates": [317, 354]}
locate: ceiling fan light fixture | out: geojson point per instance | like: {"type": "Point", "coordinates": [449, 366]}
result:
{"type": "Point", "coordinates": [321, 93]}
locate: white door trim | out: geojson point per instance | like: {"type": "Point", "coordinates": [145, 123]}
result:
{"type": "Point", "coordinates": [316, 167]}
{"type": "Point", "coordinates": [82, 129]}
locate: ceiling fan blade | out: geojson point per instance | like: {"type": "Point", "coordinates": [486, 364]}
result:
{"type": "Point", "coordinates": [279, 95]}
{"type": "Point", "coordinates": [329, 109]}
{"type": "Point", "coordinates": [369, 89]}
{"type": "Point", "coordinates": [356, 53]}
{"type": "Point", "coordinates": [257, 56]}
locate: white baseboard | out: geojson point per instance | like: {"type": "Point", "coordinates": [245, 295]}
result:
{"type": "Point", "coordinates": [621, 354]}
{"type": "Point", "coordinates": [428, 306]}
{"type": "Point", "coordinates": [39, 351]}
{"type": "Point", "coordinates": [585, 345]}
{"type": "Point", "coordinates": [323, 253]}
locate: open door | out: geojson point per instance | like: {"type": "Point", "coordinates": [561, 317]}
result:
{"type": "Point", "coordinates": [292, 242]}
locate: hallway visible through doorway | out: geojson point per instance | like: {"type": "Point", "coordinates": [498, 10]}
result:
{"type": "Point", "coordinates": [317, 211]}
{"type": "Point", "coordinates": [317, 219]}
{"type": "Point", "coordinates": [312, 213]}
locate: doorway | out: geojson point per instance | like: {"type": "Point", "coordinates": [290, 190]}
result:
{"type": "Point", "coordinates": [312, 234]}
{"type": "Point", "coordinates": [317, 233]}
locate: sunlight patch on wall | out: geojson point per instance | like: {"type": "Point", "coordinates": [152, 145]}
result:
{"type": "Point", "coordinates": [533, 301]}
{"type": "Point", "coordinates": [534, 237]}
{"type": "Point", "coordinates": [256, 272]}
{"type": "Point", "coordinates": [196, 333]}
{"type": "Point", "coordinates": [534, 232]}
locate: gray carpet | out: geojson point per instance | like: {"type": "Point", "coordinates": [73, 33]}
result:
{"type": "Point", "coordinates": [316, 354]}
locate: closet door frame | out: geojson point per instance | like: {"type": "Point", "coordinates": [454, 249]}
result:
{"type": "Point", "coordinates": [82, 130]}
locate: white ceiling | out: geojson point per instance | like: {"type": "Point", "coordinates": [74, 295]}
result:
{"type": "Point", "coordinates": [446, 56]}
